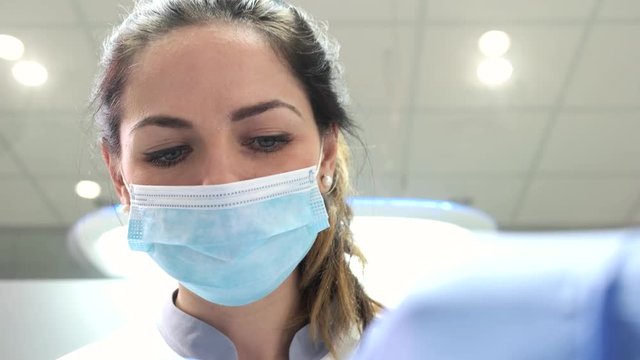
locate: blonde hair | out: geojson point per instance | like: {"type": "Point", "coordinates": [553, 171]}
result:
{"type": "Point", "coordinates": [333, 299]}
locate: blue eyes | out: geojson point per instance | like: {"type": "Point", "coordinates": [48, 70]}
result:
{"type": "Point", "coordinates": [267, 144]}
{"type": "Point", "coordinates": [174, 155]}
{"type": "Point", "coordinates": [168, 157]}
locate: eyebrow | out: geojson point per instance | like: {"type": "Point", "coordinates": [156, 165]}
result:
{"type": "Point", "coordinates": [162, 121]}
{"type": "Point", "coordinates": [257, 109]}
{"type": "Point", "coordinates": [237, 115]}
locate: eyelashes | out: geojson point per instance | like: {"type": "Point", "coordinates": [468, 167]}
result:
{"type": "Point", "coordinates": [172, 156]}
{"type": "Point", "coordinates": [169, 156]}
{"type": "Point", "coordinates": [267, 143]}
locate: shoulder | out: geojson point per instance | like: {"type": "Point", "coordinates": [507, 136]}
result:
{"type": "Point", "coordinates": [126, 343]}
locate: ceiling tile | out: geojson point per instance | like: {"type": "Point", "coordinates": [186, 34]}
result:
{"type": "Point", "coordinates": [475, 142]}
{"type": "Point", "coordinates": [30, 12]}
{"type": "Point", "coordinates": [99, 34]}
{"type": "Point", "coordinates": [594, 143]}
{"type": "Point", "coordinates": [493, 195]}
{"type": "Point", "coordinates": [331, 10]}
{"type": "Point", "coordinates": [104, 11]}
{"type": "Point", "coordinates": [461, 10]}
{"type": "Point", "coordinates": [69, 46]}
{"type": "Point", "coordinates": [620, 9]}
{"type": "Point", "coordinates": [71, 62]}
{"type": "Point", "coordinates": [578, 202]}
{"type": "Point", "coordinates": [61, 190]}
{"type": "Point", "coordinates": [450, 57]}
{"type": "Point", "coordinates": [360, 10]}
{"type": "Point", "coordinates": [53, 144]}
{"type": "Point", "coordinates": [23, 206]}
{"type": "Point", "coordinates": [607, 74]}
{"type": "Point", "coordinates": [12, 94]}
{"type": "Point", "coordinates": [377, 63]}
{"type": "Point", "coordinates": [7, 165]}
{"type": "Point", "coordinates": [459, 145]}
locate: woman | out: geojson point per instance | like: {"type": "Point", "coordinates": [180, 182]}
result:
{"type": "Point", "coordinates": [221, 124]}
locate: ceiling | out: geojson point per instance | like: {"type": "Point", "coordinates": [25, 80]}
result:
{"type": "Point", "coordinates": [556, 147]}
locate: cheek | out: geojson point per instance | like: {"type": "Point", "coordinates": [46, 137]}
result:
{"type": "Point", "coordinates": [129, 171]}
{"type": "Point", "coordinates": [132, 169]}
{"type": "Point", "coordinates": [306, 152]}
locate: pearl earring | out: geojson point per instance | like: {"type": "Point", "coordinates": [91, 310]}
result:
{"type": "Point", "coordinates": [327, 181]}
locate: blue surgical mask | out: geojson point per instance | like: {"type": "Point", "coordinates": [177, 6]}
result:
{"type": "Point", "coordinates": [230, 244]}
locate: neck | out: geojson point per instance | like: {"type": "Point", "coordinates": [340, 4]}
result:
{"type": "Point", "coordinates": [259, 330]}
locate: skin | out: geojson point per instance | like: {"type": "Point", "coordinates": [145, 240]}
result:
{"type": "Point", "coordinates": [216, 81]}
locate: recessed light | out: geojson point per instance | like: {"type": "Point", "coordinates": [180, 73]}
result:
{"type": "Point", "coordinates": [494, 43]}
{"type": "Point", "coordinates": [88, 189]}
{"type": "Point", "coordinates": [30, 73]}
{"type": "Point", "coordinates": [11, 48]}
{"type": "Point", "coordinates": [495, 71]}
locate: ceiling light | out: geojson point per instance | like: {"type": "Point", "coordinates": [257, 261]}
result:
{"type": "Point", "coordinates": [88, 189]}
{"type": "Point", "coordinates": [30, 73]}
{"type": "Point", "coordinates": [495, 71]}
{"type": "Point", "coordinates": [11, 48]}
{"type": "Point", "coordinates": [494, 43]}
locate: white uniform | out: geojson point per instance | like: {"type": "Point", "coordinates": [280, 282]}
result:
{"type": "Point", "coordinates": [179, 333]}
{"type": "Point", "coordinates": [147, 344]}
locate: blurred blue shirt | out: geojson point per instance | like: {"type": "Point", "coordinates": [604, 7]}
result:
{"type": "Point", "coordinates": [579, 300]}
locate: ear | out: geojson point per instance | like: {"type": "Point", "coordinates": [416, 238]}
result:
{"type": "Point", "coordinates": [329, 154]}
{"type": "Point", "coordinates": [115, 172]}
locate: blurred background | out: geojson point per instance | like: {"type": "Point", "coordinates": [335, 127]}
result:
{"type": "Point", "coordinates": [536, 127]}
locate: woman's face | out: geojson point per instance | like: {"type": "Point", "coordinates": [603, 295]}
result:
{"type": "Point", "coordinates": [213, 105]}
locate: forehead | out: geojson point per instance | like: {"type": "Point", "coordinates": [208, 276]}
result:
{"type": "Point", "coordinates": [207, 68]}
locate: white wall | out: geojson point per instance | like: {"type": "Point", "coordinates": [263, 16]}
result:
{"type": "Point", "coordinates": [39, 254]}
